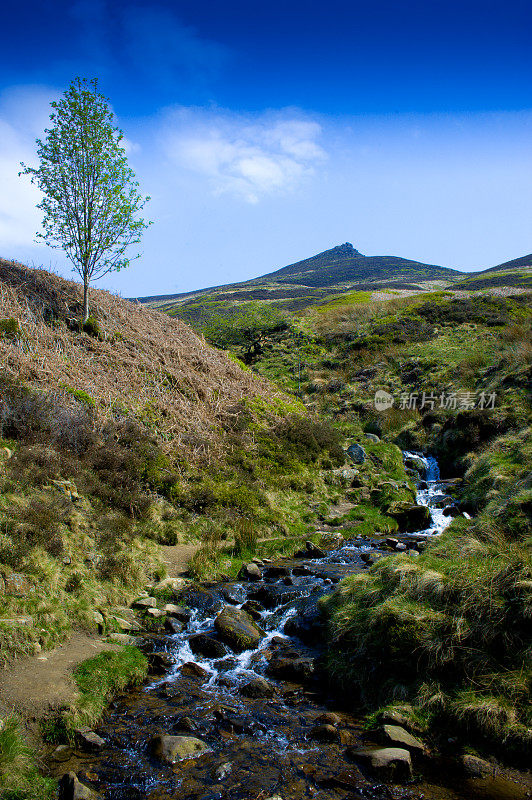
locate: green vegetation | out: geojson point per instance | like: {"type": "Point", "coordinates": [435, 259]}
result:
{"type": "Point", "coordinates": [19, 774]}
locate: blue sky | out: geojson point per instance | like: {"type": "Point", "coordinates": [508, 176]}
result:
{"type": "Point", "coordinates": [268, 132]}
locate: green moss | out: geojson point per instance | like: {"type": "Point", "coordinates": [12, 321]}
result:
{"type": "Point", "coordinates": [80, 395]}
{"type": "Point", "coordinates": [10, 328]}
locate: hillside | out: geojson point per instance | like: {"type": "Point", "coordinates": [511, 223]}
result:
{"type": "Point", "coordinates": [515, 273]}
{"type": "Point", "coordinates": [309, 282]}
{"type": "Point", "coordinates": [129, 434]}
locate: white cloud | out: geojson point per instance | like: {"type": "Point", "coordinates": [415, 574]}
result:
{"type": "Point", "coordinates": [23, 115]}
{"type": "Point", "coordinates": [249, 159]}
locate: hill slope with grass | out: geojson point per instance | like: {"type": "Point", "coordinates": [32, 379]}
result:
{"type": "Point", "coordinates": [130, 433]}
{"type": "Point", "coordinates": [443, 638]}
{"type": "Point", "coordinates": [309, 282]}
{"type": "Point", "coordinates": [516, 273]}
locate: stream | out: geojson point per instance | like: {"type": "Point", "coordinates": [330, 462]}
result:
{"type": "Point", "coordinates": [273, 728]}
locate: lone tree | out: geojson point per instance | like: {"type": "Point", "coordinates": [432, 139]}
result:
{"type": "Point", "coordinates": [91, 202]}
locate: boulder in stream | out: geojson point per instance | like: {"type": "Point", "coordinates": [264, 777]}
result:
{"type": "Point", "coordinates": [257, 687]}
{"type": "Point", "coordinates": [171, 749]}
{"type": "Point", "coordinates": [70, 788]}
{"type": "Point", "coordinates": [386, 763]}
{"type": "Point", "coordinates": [410, 517]}
{"type": "Point", "coordinates": [250, 572]}
{"type": "Point", "coordinates": [203, 645]}
{"type": "Point", "coordinates": [237, 629]}
{"type": "Point", "coordinates": [399, 737]}
{"type": "Point", "coordinates": [292, 669]}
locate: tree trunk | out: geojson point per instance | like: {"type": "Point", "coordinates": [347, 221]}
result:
{"type": "Point", "coordinates": [85, 301]}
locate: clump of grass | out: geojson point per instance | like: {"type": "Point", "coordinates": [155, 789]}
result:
{"type": "Point", "coordinates": [101, 678]}
{"type": "Point", "coordinates": [19, 774]}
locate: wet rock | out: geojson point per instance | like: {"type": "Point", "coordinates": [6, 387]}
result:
{"type": "Point", "coordinates": [476, 767]}
{"type": "Point", "coordinates": [258, 687]}
{"type": "Point", "coordinates": [302, 570]}
{"type": "Point", "coordinates": [451, 511]}
{"type": "Point", "coordinates": [88, 740]}
{"type": "Point", "coordinates": [324, 733]}
{"type": "Point", "coordinates": [185, 724]}
{"type": "Point", "coordinates": [367, 558]}
{"type": "Point", "coordinates": [291, 669]}
{"type": "Point", "coordinates": [222, 772]}
{"type": "Point", "coordinates": [313, 551]}
{"type": "Point", "coordinates": [70, 788]}
{"type": "Point", "coordinates": [398, 736]}
{"type": "Point", "coordinates": [276, 595]}
{"type": "Point", "coordinates": [356, 453]}
{"type": "Point", "coordinates": [173, 625]}
{"type": "Point", "coordinates": [250, 572]}
{"type": "Point", "coordinates": [207, 646]}
{"type": "Point", "coordinates": [142, 603]}
{"type": "Point", "coordinates": [61, 753]}
{"type": "Point", "coordinates": [254, 609]}
{"type": "Point", "coordinates": [386, 763]}
{"type": "Point", "coordinates": [328, 718]}
{"type": "Point", "coordinates": [391, 542]}
{"type": "Point", "coordinates": [234, 594]}
{"type": "Point", "coordinates": [416, 463]}
{"type": "Point", "coordinates": [410, 517]}
{"type": "Point", "coordinates": [160, 662]}
{"type": "Point", "coordinates": [202, 599]}
{"type": "Point", "coordinates": [171, 749]}
{"type": "Point", "coordinates": [236, 628]}
{"type": "Point", "coordinates": [277, 571]}
{"type": "Point", "coordinates": [400, 547]}
{"type": "Point", "coordinates": [372, 437]}
{"type": "Point", "coordinates": [193, 670]}
{"type": "Point", "coordinates": [307, 626]}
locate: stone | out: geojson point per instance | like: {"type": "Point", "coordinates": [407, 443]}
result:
{"type": "Point", "coordinates": [70, 788]}
{"type": "Point", "coordinates": [400, 547]}
{"type": "Point", "coordinates": [313, 551]}
{"type": "Point", "coordinates": [237, 629]}
{"type": "Point", "coordinates": [391, 542]}
{"type": "Point", "coordinates": [257, 687]}
{"type": "Point", "coordinates": [387, 763]}
{"type": "Point", "coordinates": [88, 740]}
{"type": "Point", "coordinates": [356, 453]}
{"type": "Point", "coordinates": [171, 610]}
{"type": "Point", "coordinates": [372, 437]}
{"type": "Point", "coordinates": [5, 454]}
{"type": "Point", "coordinates": [476, 767]}
{"type": "Point", "coordinates": [174, 584]}
{"type": "Point", "coordinates": [324, 733]}
{"type": "Point", "coordinates": [61, 753]}
{"type": "Point", "coordinates": [155, 613]}
{"type": "Point", "coordinates": [250, 572]}
{"type": "Point", "coordinates": [396, 735]}
{"type": "Point", "coordinates": [122, 638]}
{"type": "Point", "coordinates": [171, 749]}
{"type": "Point", "coordinates": [207, 646]}
{"type": "Point", "coordinates": [160, 661]}
{"type": "Point", "coordinates": [451, 511]}
{"type": "Point", "coordinates": [193, 670]}
{"type": "Point", "coordinates": [328, 718]}
{"type": "Point", "coordinates": [410, 517]}
{"type": "Point", "coordinates": [143, 603]}
{"type": "Point", "coordinates": [125, 624]}
{"type": "Point", "coordinates": [221, 772]}
{"type": "Point", "coordinates": [291, 669]}
{"type": "Point", "coordinates": [173, 625]}
{"type": "Point", "coordinates": [254, 609]}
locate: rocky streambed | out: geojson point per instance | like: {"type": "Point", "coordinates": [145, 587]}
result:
{"type": "Point", "coordinates": [238, 706]}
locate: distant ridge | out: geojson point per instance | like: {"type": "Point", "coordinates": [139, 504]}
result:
{"type": "Point", "coordinates": [339, 268]}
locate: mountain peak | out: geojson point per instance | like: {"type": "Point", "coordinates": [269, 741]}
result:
{"type": "Point", "coordinates": [346, 249]}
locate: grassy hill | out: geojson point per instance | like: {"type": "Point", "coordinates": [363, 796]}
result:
{"type": "Point", "coordinates": [516, 273]}
{"type": "Point", "coordinates": [310, 282]}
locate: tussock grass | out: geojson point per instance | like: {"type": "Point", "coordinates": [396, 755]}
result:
{"type": "Point", "coordinates": [19, 774]}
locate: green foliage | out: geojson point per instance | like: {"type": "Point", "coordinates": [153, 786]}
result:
{"type": "Point", "coordinates": [91, 201]}
{"type": "Point", "coordinates": [80, 395]}
{"type": "Point", "coordinates": [92, 327]}
{"type": "Point", "coordinates": [100, 678]}
{"type": "Point", "coordinates": [19, 776]}
{"type": "Point", "coordinates": [10, 328]}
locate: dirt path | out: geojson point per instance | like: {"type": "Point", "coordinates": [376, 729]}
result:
{"type": "Point", "coordinates": [34, 686]}
{"type": "Point", "coordinates": [176, 558]}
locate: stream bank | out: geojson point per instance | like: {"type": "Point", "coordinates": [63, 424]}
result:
{"type": "Point", "coordinates": [238, 706]}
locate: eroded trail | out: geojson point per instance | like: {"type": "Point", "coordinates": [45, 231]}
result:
{"type": "Point", "coordinates": [257, 721]}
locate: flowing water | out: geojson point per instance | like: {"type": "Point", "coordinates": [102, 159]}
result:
{"type": "Point", "coordinates": [259, 747]}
